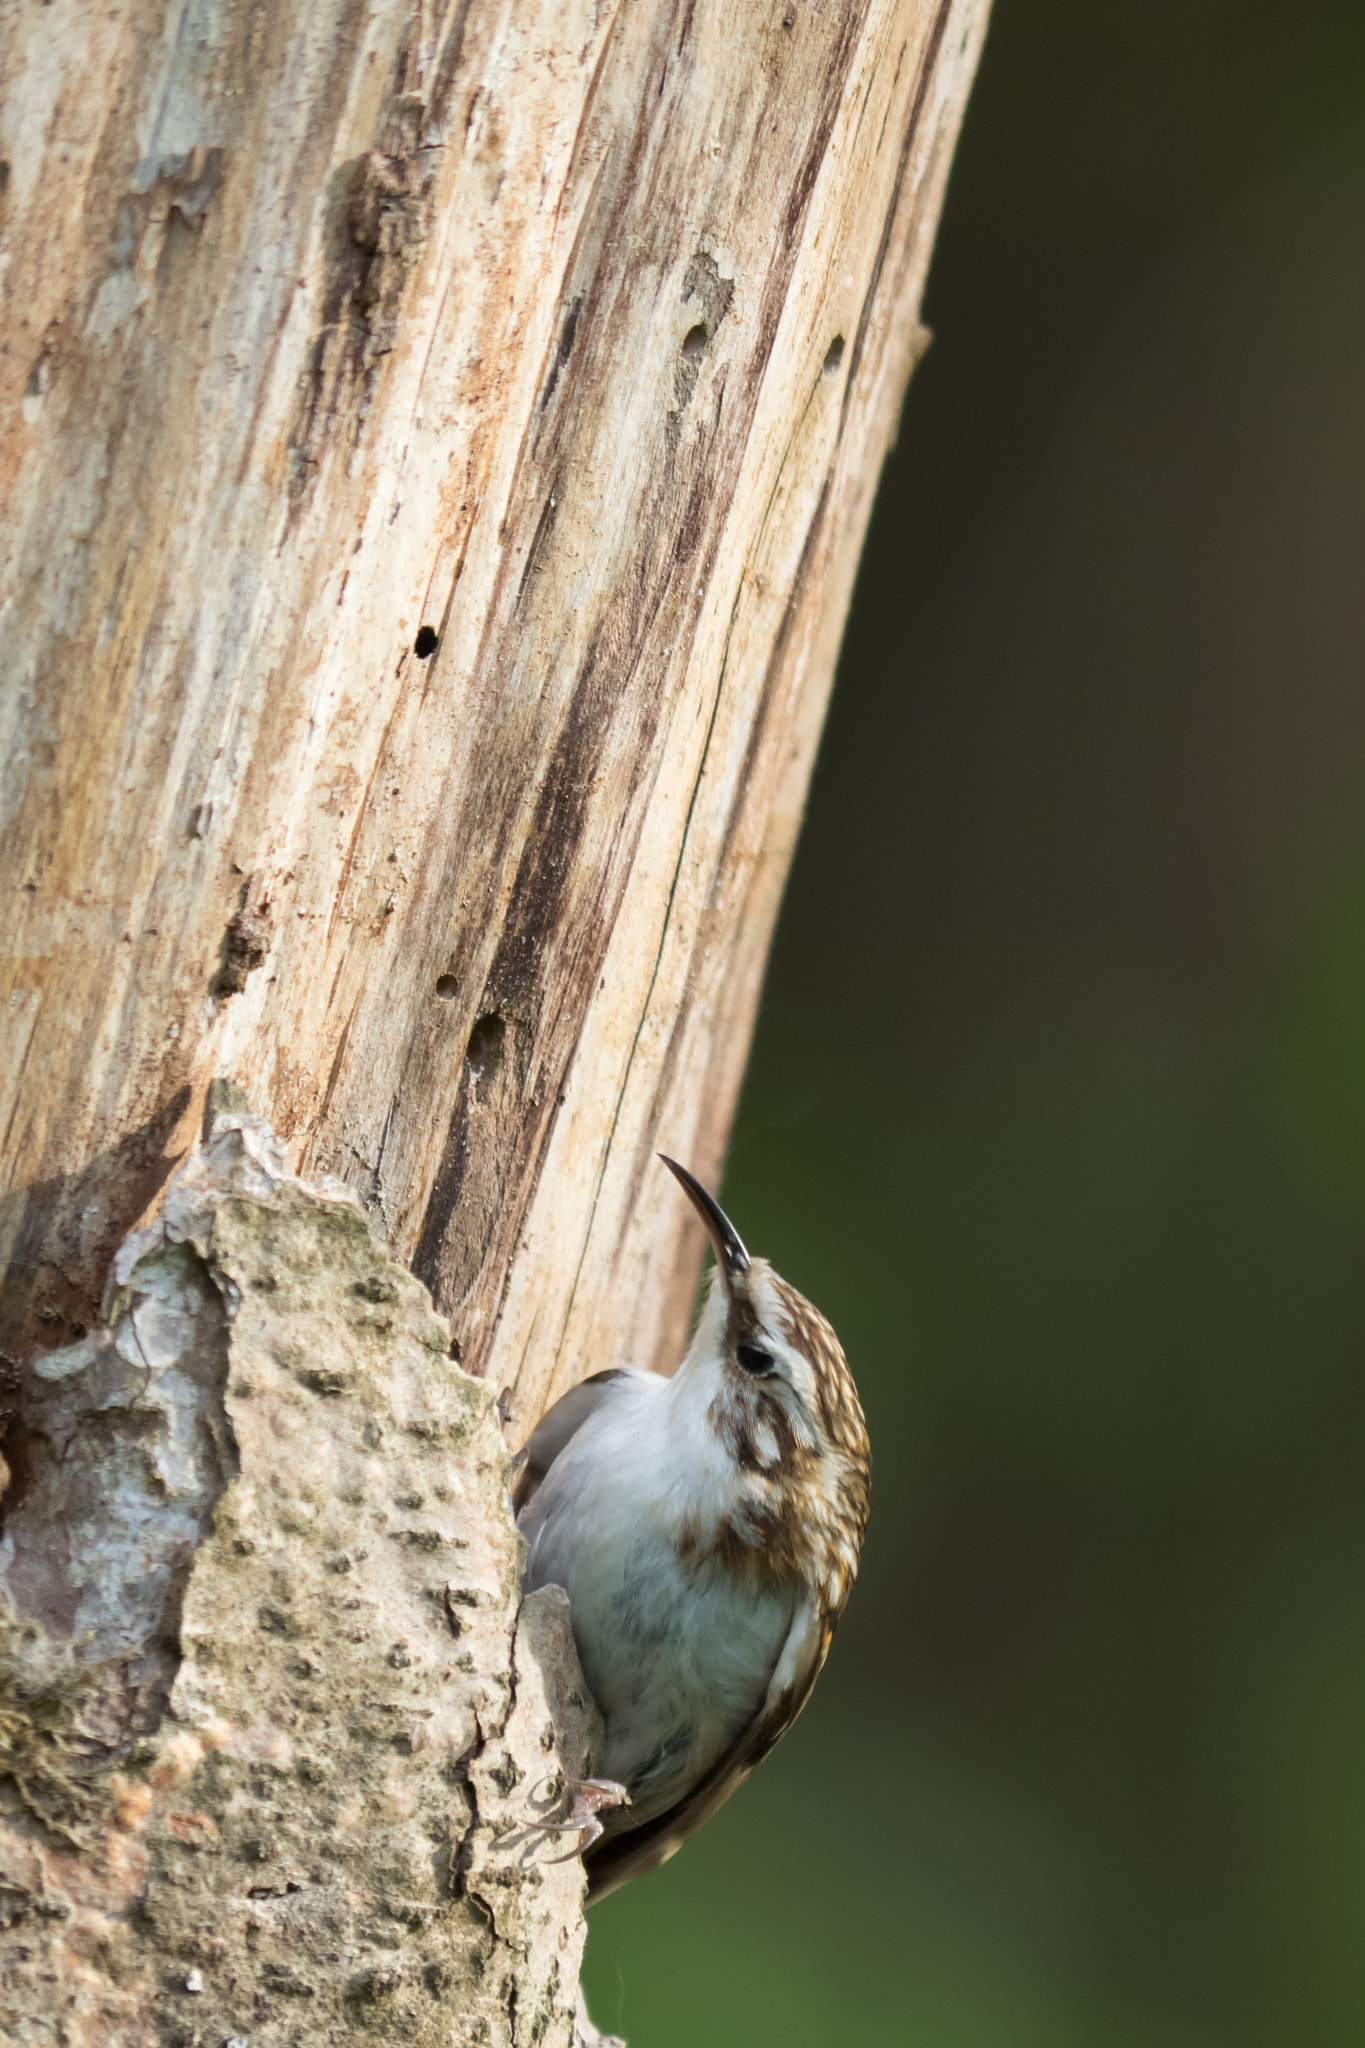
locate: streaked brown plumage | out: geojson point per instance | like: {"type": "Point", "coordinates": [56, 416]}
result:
{"type": "Point", "coordinates": [707, 1530]}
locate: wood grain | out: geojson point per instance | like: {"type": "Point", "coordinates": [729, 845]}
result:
{"type": "Point", "coordinates": [562, 337]}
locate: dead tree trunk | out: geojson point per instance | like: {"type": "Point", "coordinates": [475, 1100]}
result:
{"type": "Point", "coordinates": [435, 444]}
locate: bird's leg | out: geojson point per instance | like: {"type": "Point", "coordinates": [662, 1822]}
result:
{"type": "Point", "coordinates": [586, 1798]}
{"type": "Point", "coordinates": [580, 1800]}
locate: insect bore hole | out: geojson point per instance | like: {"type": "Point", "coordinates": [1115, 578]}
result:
{"type": "Point", "coordinates": [834, 355]}
{"type": "Point", "coordinates": [447, 987]}
{"type": "Point", "coordinates": [486, 1042]}
{"type": "Point", "coordinates": [694, 344]}
{"type": "Point", "coordinates": [426, 643]}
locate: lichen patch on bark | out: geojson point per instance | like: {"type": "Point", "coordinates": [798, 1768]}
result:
{"type": "Point", "coordinates": [293, 1768]}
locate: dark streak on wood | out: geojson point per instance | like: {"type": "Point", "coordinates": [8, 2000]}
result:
{"type": "Point", "coordinates": [562, 352]}
{"type": "Point", "coordinates": [488, 1112]}
{"type": "Point", "coordinates": [570, 880]}
{"type": "Point", "coordinates": [447, 68]}
{"type": "Point", "coordinates": [540, 539]}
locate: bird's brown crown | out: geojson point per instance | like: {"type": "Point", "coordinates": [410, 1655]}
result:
{"type": "Point", "coordinates": [800, 1448]}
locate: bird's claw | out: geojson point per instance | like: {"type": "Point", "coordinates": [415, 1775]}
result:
{"type": "Point", "coordinates": [585, 1799]}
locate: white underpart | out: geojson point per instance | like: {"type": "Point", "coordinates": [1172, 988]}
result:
{"type": "Point", "coordinates": [679, 1660]}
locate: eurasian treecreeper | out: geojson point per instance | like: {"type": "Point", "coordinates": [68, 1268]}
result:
{"type": "Point", "coordinates": [707, 1530]}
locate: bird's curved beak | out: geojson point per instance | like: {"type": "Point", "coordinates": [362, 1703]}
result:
{"type": "Point", "coordinates": [726, 1242]}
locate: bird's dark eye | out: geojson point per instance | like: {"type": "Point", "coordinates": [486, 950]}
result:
{"type": "Point", "coordinates": [753, 1358]}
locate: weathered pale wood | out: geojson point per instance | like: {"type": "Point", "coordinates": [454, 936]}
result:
{"type": "Point", "coordinates": [570, 332]}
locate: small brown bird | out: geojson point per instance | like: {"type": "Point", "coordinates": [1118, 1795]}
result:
{"type": "Point", "coordinates": [706, 1529]}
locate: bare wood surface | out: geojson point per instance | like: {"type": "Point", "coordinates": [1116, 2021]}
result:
{"type": "Point", "coordinates": [566, 333]}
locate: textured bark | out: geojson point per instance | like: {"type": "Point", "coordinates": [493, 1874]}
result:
{"type": "Point", "coordinates": [272, 1732]}
{"type": "Point", "coordinates": [436, 438]}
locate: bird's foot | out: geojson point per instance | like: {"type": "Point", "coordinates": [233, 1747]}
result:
{"type": "Point", "coordinates": [573, 1809]}
{"type": "Point", "coordinates": [585, 1798]}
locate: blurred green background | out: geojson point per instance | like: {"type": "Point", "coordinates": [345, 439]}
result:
{"type": "Point", "coordinates": [1057, 1107]}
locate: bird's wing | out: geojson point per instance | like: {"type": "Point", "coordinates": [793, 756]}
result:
{"type": "Point", "coordinates": [617, 1857]}
{"type": "Point", "coordinates": [554, 1430]}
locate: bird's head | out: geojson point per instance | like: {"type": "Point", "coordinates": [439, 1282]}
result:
{"type": "Point", "coordinates": [784, 1409]}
